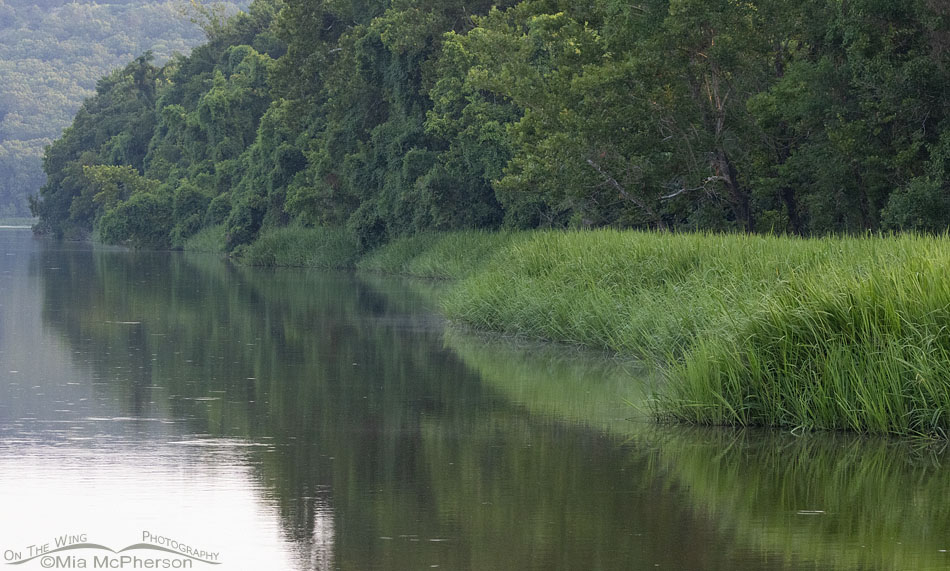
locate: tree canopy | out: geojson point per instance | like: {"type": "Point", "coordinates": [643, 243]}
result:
{"type": "Point", "coordinates": [392, 117]}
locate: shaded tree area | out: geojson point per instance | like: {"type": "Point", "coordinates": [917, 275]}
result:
{"type": "Point", "coordinates": [391, 117]}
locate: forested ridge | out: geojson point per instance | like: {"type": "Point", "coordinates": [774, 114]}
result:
{"type": "Point", "coordinates": [390, 118]}
{"type": "Point", "coordinates": [52, 52]}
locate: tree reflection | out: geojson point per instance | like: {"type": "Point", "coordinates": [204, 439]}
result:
{"type": "Point", "coordinates": [387, 442]}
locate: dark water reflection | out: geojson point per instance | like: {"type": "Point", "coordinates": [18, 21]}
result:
{"type": "Point", "coordinates": [295, 420]}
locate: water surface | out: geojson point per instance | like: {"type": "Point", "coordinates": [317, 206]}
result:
{"type": "Point", "coordinates": [292, 420]}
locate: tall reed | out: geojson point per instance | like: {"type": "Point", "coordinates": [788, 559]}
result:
{"type": "Point", "coordinates": [861, 346]}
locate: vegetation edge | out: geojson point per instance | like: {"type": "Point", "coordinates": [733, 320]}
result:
{"type": "Point", "coordinates": [837, 333]}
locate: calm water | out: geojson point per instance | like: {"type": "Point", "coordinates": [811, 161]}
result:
{"type": "Point", "coordinates": [288, 420]}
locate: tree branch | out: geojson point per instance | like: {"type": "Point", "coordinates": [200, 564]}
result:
{"type": "Point", "coordinates": [700, 187]}
{"type": "Point", "coordinates": [626, 195]}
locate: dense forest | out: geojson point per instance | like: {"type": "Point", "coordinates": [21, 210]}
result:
{"type": "Point", "coordinates": [391, 117]}
{"type": "Point", "coordinates": [52, 53]}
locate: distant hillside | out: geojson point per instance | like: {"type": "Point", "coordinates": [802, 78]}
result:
{"type": "Point", "coordinates": [52, 53]}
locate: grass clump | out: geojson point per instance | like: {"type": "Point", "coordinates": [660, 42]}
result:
{"type": "Point", "coordinates": [828, 333]}
{"type": "Point", "coordinates": [860, 347]}
{"type": "Point", "coordinates": [442, 255]}
{"type": "Point", "coordinates": [630, 292]}
{"type": "Point", "coordinates": [296, 246]}
{"type": "Point", "coordinates": [210, 239]}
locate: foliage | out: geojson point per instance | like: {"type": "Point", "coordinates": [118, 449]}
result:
{"type": "Point", "coordinates": [393, 118]}
{"type": "Point", "coordinates": [184, 126]}
{"type": "Point", "coordinates": [112, 129]}
{"type": "Point", "coordinates": [139, 221]}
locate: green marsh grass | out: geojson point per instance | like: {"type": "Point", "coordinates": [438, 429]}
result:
{"type": "Point", "coordinates": [860, 344]}
{"type": "Point", "coordinates": [630, 292]}
{"type": "Point", "coordinates": [210, 240]}
{"type": "Point", "coordinates": [295, 246]}
{"type": "Point", "coordinates": [834, 333]}
{"type": "Point", "coordinates": [442, 255]}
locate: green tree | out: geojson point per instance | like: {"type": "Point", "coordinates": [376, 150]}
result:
{"type": "Point", "coordinates": [112, 128]}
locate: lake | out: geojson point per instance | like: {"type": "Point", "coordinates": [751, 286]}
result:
{"type": "Point", "coordinates": [178, 411]}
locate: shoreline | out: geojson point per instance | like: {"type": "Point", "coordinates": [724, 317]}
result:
{"type": "Point", "coordinates": [826, 333]}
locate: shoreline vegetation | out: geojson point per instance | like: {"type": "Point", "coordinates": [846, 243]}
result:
{"type": "Point", "coordinates": [835, 333]}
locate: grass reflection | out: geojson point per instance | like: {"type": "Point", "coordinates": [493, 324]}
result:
{"type": "Point", "coordinates": [589, 387]}
{"type": "Point", "coordinates": [841, 500]}
{"type": "Point", "coordinates": [827, 501]}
